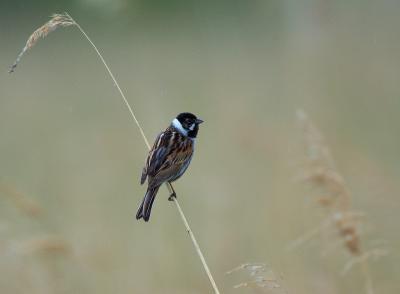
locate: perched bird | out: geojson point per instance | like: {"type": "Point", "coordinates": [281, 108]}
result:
{"type": "Point", "coordinates": [169, 158]}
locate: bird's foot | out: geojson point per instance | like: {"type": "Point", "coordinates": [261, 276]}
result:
{"type": "Point", "coordinates": [172, 196]}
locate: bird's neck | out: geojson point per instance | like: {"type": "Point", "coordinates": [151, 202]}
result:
{"type": "Point", "coordinates": [176, 124]}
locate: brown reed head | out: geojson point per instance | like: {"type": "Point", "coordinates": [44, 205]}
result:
{"type": "Point", "coordinates": [56, 21]}
{"type": "Point", "coordinates": [319, 171]}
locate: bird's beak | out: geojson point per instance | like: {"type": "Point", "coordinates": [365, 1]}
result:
{"type": "Point", "coordinates": [199, 121]}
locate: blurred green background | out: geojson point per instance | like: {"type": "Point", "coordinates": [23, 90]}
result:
{"type": "Point", "coordinates": [71, 157]}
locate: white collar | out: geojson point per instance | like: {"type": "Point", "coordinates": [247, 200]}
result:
{"type": "Point", "coordinates": [177, 125]}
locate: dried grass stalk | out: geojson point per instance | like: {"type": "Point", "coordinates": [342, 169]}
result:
{"type": "Point", "coordinates": [56, 21]}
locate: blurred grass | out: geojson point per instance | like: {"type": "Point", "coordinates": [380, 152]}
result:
{"type": "Point", "coordinates": [68, 142]}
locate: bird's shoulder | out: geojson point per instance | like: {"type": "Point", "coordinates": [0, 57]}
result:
{"type": "Point", "coordinates": [170, 148]}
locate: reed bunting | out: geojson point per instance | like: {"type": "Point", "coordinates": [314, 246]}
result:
{"type": "Point", "coordinates": [168, 159]}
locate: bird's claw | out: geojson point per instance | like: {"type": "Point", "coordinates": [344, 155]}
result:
{"type": "Point", "coordinates": [172, 196]}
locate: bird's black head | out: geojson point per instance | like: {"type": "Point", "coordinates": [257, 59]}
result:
{"type": "Point", "coordinates": [187, 124]}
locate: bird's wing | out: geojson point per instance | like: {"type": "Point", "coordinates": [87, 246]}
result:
{"type": "Point", "coordinates": [168, 158]}
{"type": "Point", "coordinates": [157, 155]}
{"type": "Point", "coordinates": [175, 164]}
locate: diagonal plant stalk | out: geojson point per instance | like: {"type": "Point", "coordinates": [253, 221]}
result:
{"type": "Point", "coordinates": [64, 20]}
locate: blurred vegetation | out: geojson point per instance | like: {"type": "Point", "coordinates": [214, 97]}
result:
{"type": "Point", "coordinates": [71, 157]}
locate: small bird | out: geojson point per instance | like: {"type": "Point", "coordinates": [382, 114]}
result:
{"type": "Point", "coordinates": [168, 159]}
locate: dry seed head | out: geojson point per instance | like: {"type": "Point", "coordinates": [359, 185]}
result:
{"type": "Point", "coordinates": [320, 171]}
{"type": "Point", "coordinates": [56, 21]}
{"type": "Point", "coordinates": [261, 277]}
{"type": "Point", "coordinates": [348, 231]}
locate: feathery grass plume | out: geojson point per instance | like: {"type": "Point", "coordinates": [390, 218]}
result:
{"type": "Point", "coordinates": [26, 205]}
{"type": "Point", "coordinates": [56, 21]}
{"type": "Point", "coordinates": [319, 171]}
{"type": "Point", "coordinates": [262, 279]}
{"type": "Point", "coordinates": [66, 20]}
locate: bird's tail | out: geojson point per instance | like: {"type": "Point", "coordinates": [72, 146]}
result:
{"type": "Point", "coordinates": [145, 208]}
